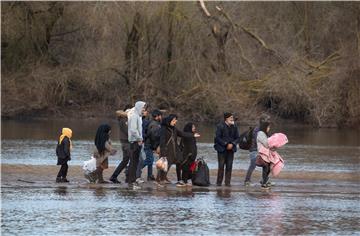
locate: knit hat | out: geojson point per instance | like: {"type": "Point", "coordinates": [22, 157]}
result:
{"type": "Point", "coordinates": [227, 115]}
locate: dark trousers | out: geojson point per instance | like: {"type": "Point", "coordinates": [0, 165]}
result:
{"type": "Point", "coordinates": [265, 173]}
{"type": "Point", "coordinates": [63, 171]}
{"type": "Point", "coordinates": [178, 172]}
{"type": "Point", "coordinates": [183, 172]}
{"type": "Point", "coordinates": [125, 160]}
{"type": "Point", "coordinates": [135, 150]}
{"type": "Point", "coordinates": [225, 159]}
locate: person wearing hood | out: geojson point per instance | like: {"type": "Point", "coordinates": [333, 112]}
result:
{"type": "Point", "coordinates": [189, 151]}
{"type": "Point", "coordinates": [226, 139]}
{"type": "Point", "coordinates": [63, 150]}
{"type": "Point", "coordinates": [125, 145]}
{"type": "Point", "coordinates": [135, 137]}
{"type": "Point", "coordinates": [168, 143]}
{"type": "Point", "coordinates": [102, 152]}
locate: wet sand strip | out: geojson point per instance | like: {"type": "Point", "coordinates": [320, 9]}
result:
{"type": "Point", "coordinates": [41, 176]}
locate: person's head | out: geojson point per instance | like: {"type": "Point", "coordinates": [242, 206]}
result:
{"type": "Point", "coordinates": [170, 120]}
{"type": "Point", "coordinates": [140, 107]}
{"type": "Point", "coordinates": [157, 115]}
{"type": "Point", "coordinates": [145, 113]}
{"type": "Point", "coordinates": [229, 118]}
{"type": "Point", "coordinates": [264, 118]}
{"type": "Point", "coordinates": [67, 132]}
{"type": "Point", "coordinates": [102, 135]}
{"type": "Point", "coordinates": [265, 127]}
{"type": "Point", "coordinates": [189, 127]}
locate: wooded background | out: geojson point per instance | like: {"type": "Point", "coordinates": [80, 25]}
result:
{"type": "Point", "coordinates": [294, 60]}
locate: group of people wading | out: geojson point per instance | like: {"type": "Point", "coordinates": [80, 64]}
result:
{"type": "Point", "coordinates": [142, 136]}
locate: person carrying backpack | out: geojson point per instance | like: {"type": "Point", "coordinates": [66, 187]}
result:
{"type": "Point", "coordinates": [63, 150]}
{"type": "Point", "coordinates": [253, 149]}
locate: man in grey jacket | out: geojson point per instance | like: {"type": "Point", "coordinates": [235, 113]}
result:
{"type": "Point", "coordinates": [136, 140]}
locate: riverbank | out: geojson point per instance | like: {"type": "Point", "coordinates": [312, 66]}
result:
{"type": "Point", "coordinates": [17, 174]}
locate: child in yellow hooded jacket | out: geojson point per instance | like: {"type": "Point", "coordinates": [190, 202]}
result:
{"type": "Point", "coordinates": [63, 150]}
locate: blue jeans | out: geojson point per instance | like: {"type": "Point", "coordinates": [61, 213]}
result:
{"type": "Point", "coordinates": [252, 165]}
{"type": "Point", "coordinates": [149, 160]}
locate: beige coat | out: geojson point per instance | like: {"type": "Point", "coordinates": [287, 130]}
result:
{"type": "Point", "coordinates": [102, 160]}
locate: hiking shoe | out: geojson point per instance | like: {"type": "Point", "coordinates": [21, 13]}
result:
{"type": "Point", "coordinates": [188, 184]}
{"type": "Point", "coordinates": [58, 180]}
{"type": "Point", "coordinates": [134, 186]}
{"type": "Point", "coordinates": [140, 181]}
{"type": "Point", "coordinates": [180, 184]}
{"type": "Point", "coordinates": [151, 178]}
{"type": "Point", "coordinates": [247, 183]}
{"type": "Point", "coordinates": [269, 183]}
{"type": "Point", "coordinates": [115, 181]}
{"type": "Point", "coordinates": [265, 186]}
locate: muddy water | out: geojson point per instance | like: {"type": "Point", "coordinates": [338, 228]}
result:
{"type": "Point", "coordinates": [34, 142]}
{"type": "Point", "coordinates": [291, 208]}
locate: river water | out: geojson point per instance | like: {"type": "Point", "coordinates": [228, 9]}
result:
{"type": "Point", "coordinates": [309, 149]}
{"type": "Point", "coordinates": [291, 208]}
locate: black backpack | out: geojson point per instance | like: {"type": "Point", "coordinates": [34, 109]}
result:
{"type": "Point", "coordinates": [201, 176]}
{"type": "Point", "coordinates": [246, 139]}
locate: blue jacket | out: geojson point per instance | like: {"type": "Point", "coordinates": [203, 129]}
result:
{"type": "Point", "coordinates": [224, 135]}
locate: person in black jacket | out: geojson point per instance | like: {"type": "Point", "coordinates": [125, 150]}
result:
{"type": "Point", "coordinates": [63, 150]}
{"type": "Point", "coordinates": [152, 141]}
{"type": "Point", "coordinates": [189, 151]}
{"type": "Point", "coordinates": [226, 139]}
{"type": "Point", "coordinates": [168, 143]}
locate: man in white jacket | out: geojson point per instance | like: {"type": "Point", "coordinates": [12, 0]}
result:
{"type": "Point", "coordinates": [135, 140]}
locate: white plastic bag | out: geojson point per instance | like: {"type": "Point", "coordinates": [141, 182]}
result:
{"type": "Point", "coordinates": [162, 164]}
{"type": "Point", "coordinates": [90, 165]}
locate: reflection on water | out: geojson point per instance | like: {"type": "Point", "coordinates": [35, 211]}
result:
{"type": "Point", "coordinates": [61, 190]}
{"type": "Point", "coordinates": [106, 211]}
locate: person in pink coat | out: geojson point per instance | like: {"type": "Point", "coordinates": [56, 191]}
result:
{"type": "Point", "coordinates": [262, 142]}
{"type": "Point", "coordinates": [269, 159]}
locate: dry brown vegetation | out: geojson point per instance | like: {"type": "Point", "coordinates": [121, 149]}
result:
{"type": "Point", "coordinates": [297, 60]}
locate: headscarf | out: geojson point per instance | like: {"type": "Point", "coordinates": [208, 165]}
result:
{"type": "Point", "coordinates": [66, 132]}
{"type": "Point", "coordinates": [188, 127]}
{"type": "Point", "coordinates": [167, 120]}
{"type": "Point", "coordinates": [102, 135]}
